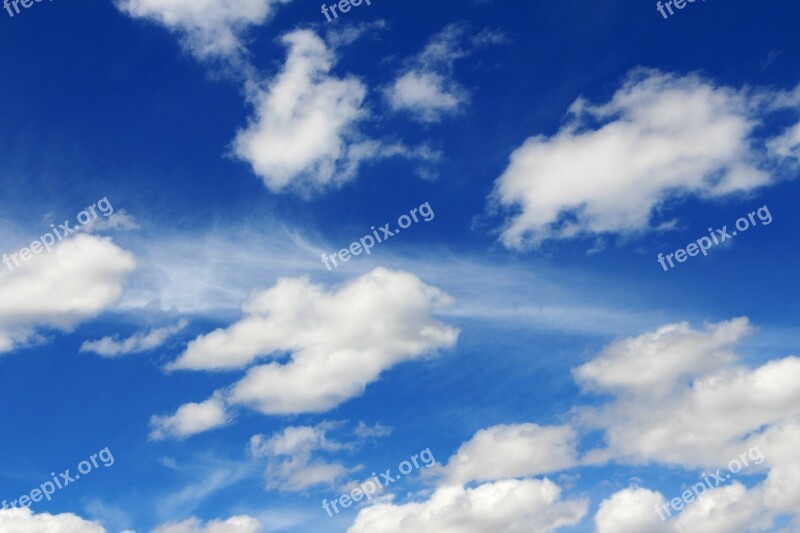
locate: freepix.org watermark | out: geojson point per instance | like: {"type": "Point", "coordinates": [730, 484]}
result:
{"type": "Point", "coordinates": [343, 5]}
{"type": "Point", "coordinates": [716, 237]}
{"type": "Point", "coordinates": [367, 242]}
{"type": "Point", "coordinates": [667, 6]}
{"type": "Point", "coordinates": [8, 4]}
{"type": "Point", "coordinates": [710, 481]}
{"type": "Point", "coordinates": [48, 488]}
{"type": "Point", "coordinates": [47, 240]}
{"type": "Point", "coordinates": [371, 486]}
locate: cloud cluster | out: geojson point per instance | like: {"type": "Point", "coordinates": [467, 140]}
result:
{"type": "Point", "coordinates": [613, 166]}
{"type": "Point", "coordinates": [502, 459]}
{"type": "Point", "coordinates": [506, 505]}
{"type": "Point", "coordinates": [338, 341]}
{"type": "Point", "coordinates": [685, 400]}
{"type": "Point", "coordinates": [78, 279]}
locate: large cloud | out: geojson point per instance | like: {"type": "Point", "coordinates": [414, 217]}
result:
{"type": "Point", "coordinates": [495, 456]}
{"type": "Point", "coordinates": [25, 521]}
{"type": "Point", "coordinates": [505, 505]}
{"type": "Point", "coordinates": [694, 406]}
{"type": "Point", "coordinates": [612, 167]}
{"type": "Point", "coordinates": [77, 280]}
{"type": "Point", "coordinates": [339, 341]}
{"type": "Point", "coordinates": [680, 396]}
{"type": "Point", "coordinates": [209, 28]}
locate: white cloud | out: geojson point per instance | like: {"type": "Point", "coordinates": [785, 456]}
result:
{"type": "Point", "coordinates": [427, 89]}
{"type": "Point", "coordinates": [727, 509]}
{"type": "Point", "coordinates": [653, 362]}
{"type": "Point", "coordinates": [509, 451]}
{"type": "Point", "coordinates": [631, 511]}
{"type": "Point", "coordinates": [505, 505]}
{"type": "Point", "coordinates": [291, 466]}
{"type": "Point", "coordinates": [339, 341]}
{"type": "Point", "coordinates": [25, 521]}
{"type": "Point", "coordinates": [305, 129]}
{"type": "Point", "coordinates": [208, 28]}
{"type": "Point", "coordinates": [427, 95]}
{"type": "Point", "coordinates": [140, 342]}
{"type": "Point", "coordinates": [685, 400]}
{"type": "Point", "coordinates": [190, 418]}
{"type": "Point", "coordinates": [703, 408]}
{"type": "Point", "coordinates": [661, 136]}
{"type": "Point", "coordinates": [235, 524]}
{"type": "Point", "coordinates": [78, 279]}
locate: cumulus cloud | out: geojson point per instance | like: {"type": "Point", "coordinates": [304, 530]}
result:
{"type": "Point", "coordinates": [339, 341]}
{"type": "Point", "coordinates": [426, 89]}
{"type": "Point", "coordinates": [702, 410]}
{"type": "Point", "coordinates": [25, 521]}
{"type": "Point", "coordinates": [727, 509]}
{"type": "Point", "coordinates": [209, 29]}
{"type": "Point", "coordinates": [190, 418]}
{"type": "Point", "coordinates": [505, 505]}
{"type": "Point", "coordinates": [686, 400]}
{"type": "Point", "coordinates": [78, 279]}
{"type": "Point", "coordinates": [291, 465]}
{"type": "Point", "coordinates": [613, 166]}
{"type": "Point", "coordinates": [140, 342]}
{"type": "Point", "coordinates": [306, 133]}
{"type": "Point", "coordinates": [235, 524]}
{"type": "Point", "coordinates": [510, 451]}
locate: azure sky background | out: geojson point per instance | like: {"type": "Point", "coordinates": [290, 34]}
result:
{"type": "Point", "coordinates": [526, 335]}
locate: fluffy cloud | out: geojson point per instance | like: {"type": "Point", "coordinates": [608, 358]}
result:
{"type": "Point", "coordinates": [727, 509]}
{"type": "Point", "coordinates": [208, 28]}
{"type": "Point", "coordinates": [505, 505]}
{"type": "Point", "coordinates": [140, 342]}
{"type": "Point", "coordinates": [631, 511]}
{"type": "Point", "coordinates": [612, 167]}
{"type": "Point", "coordinates": [495, 455]}
{"type": "Point", "coordinates": [78, 279]}
{"type": "Point", "coordinates": [653, 362]}
{"type": "Point", "coordinates": [427, 89]}
{"type": "Point", "coordinates": [235, 524]}
{"type": "Point", "coordinates": [700, 410]}
{"type": "Point", "coordinates": [25, 521]}
{"type": "Point", "coordinates": [305, 119]}
{"type": "Point", "coordinates": [510, 451]}
{"type": "Point", "coordinates": [306, 134]}
{"type": "Point", "coordinates": [339, 341]}
{"type": "Point", "coordinates": [291, 466]}
{"type": "Point", "coordinates": [190, 418]}
{"type": "Point", "coordinates": [684, 399]}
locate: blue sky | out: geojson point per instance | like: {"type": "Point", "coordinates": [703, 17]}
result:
{"type": "Point", "coordinates": [525, 334]}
